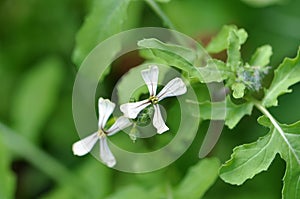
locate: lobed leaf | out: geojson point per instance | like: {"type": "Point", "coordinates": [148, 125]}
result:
{"type": "Point", "coordinates": [250, 159]}
{"type": "Point", "coordinates": [232, 113]}
{"type": "Point", "coordinates": [286, 75]}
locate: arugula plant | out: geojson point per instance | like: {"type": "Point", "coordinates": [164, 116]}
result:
{"type": "Point", "coordinates": [245, 81]}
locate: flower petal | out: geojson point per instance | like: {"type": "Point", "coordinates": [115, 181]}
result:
{"type": "Point", "coordinates": [106, 107]}
{"type": "Point", "coordinates": [131, 110]}
{"type": "Point", "coordinates": [175, 87]}
{"type": "Point", "coordinates": [105, 154]}
{"type": "Point", "coordinates": [121, 123]}
{"type": "Point", "coordinates": [85, 145]}
{"type": "Point", "coordinates": [158, 121]}
{"type": "Point", "coordinates": [150, 77]}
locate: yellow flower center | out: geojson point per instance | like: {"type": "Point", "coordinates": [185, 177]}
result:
{"type": "Point", "coordinates": [101, 133]}
{"type": "Point", "coordinates": [153, 99]}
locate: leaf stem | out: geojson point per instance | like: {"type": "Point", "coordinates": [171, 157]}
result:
{"type": "Point", "coordinates": [22, 147]}
{"type": "Point", "coordinates": [276, 125]}
{"type": "Point", "coordinates": [160, 13]}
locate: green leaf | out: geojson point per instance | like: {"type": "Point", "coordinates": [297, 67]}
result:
{"type": "Point", "coordinates": [262, 55]}
{"type": "Point", "coordinates": [36, 97]}
{"type": "Point", "coordinates": [133, 191]}
{"type": "Point", "coordinates": [232, 113]}
{"type": "Point", "coordinates": [105, 19]}
{"type": "Point", "coordinates": [263, 3]}
{"type": "Point", "coordinates": [286, 75]}
{"type": "Point", "coordinates": [187, 54]}
{"type": "Point", "coordinates": [198, 179]}
{"type": "Point", "coordinates": [238, 90]}
{"type": "Point", "coordinates": [220, 42]}
{"type": "Point", "coordinates": [233, 51]}
{"type": "Point", "coordinates": [20, 146]}
{"type": "Point", "coordinates": [95, 180]}
{"type": "Point", "coordinates": [214, 71]}
{"type": "Point", "coordinates": [250, 159]}
{"type": "Point", "coordinates": [163, 1]}
{"type": "Point", "coordinates": [7, 182]}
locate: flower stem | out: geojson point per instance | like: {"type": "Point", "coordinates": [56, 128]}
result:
{"type": "Point", "coordinates": [161, 14]}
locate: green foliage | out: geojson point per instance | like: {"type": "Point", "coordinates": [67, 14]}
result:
{"type": "Point", "coordinates": [170, 54]}
{"type": "Point", "coordinates": [105, 19]}
{"type": "Point", "coordinates": [286, 75]}
{"type": "Point", "coordinates": [193, 185]}
{"type": "Point", "coordinates": [7, 182]}
{"type": "Point", "coordinates": [36, 97]}
{"type": "Point", "coordinates": [198, 179]}
{"type": "Point", "coordinates": [250, 159]}
{"type": "Point", "coordinates": [263, 3]}
{"type": "Point", "coordinates": [233, 112]}
{"type": "Point", "coordinates": [36, 139]}
{"type": "Point", "coordinates": [229, 35]}
{"type": "Point", "coordinates": [262, 56]}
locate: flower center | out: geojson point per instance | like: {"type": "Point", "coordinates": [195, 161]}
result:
{"type": "Point", "coordinates": [101, 133]}
{"type": "Point", "coordinates": [153, 99]}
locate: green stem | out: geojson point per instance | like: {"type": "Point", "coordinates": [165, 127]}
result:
{"type": "Point", "coordinates": [160, 13]}
{"type": "Point", "coordinates": [276, 125]}
{"type": "Point", "coordinates": [22, 147]}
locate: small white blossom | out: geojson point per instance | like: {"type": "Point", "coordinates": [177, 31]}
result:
{"type": "Point", "coordinates": [85, 145]}
{"type": "Point", "coordinates": [175, 87]}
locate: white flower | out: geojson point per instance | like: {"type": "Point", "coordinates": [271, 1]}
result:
{"type": "Point", "coordinates": [175, 87]}
{"type": "Point", "coordinates": [85, 145]}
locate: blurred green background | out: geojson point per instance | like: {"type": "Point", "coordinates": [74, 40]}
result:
{"type": "Point", "coordinates": [37, 39]}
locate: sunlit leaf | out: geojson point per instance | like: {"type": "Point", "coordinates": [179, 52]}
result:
{"type": "Point", "coordinates": [250, 159]}
{"type": "Point", "coordinates": [286, 75]}
{"type": "Point", "coordinates": [261, 57]}
{"type": "Point", "coordinates": [198, 179]}
{"type": "Point", "coordinates": [220, 42]}
{"type": "Point", "coordinates": [36, 96]}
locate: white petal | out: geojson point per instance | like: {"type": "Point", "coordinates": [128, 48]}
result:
{"type": "Point", "coordinates": [121, 123]}
{"type": "Point", "coordinates": [175, 87]}
{"type": "Point", "coordinates": [105, 154]}
{"type": "Point", "coordinates": [106, 107]}
{"type": "Point", "coordinates": [131, 110]}
{"type": "Point", "coordinates": [150, 77]}
{"type": "Point", "coordinates": [85, 145]}
{"type": "Point", "coordinates": [158, 121]}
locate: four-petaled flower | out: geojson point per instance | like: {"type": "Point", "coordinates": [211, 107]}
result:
{"type": "Point", "coordinates": [85, 145]}
{"type": "Point", "coordinates": [175, 87]}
